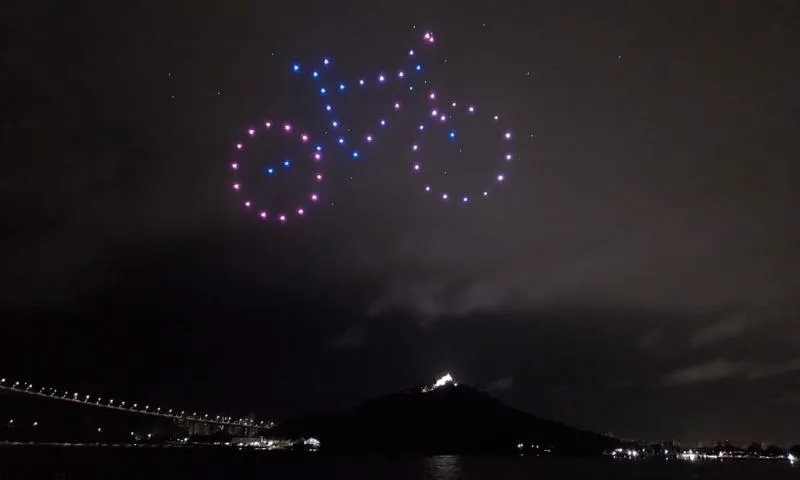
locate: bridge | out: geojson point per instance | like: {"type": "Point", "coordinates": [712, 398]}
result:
{"type": "Point", "coordinates": [181, 417]}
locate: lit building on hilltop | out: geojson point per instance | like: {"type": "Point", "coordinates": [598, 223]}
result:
{"type": "Point", "coordinates": [440, 382]}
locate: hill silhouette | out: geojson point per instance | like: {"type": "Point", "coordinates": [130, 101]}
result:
{"type": "Point", "coordinates": [452, 418]}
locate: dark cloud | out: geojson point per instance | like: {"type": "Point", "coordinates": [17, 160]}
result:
{"type": "Point", "coordinates": [350, 338]}
{"type": "Point", "coordinates": [723, 369]}
{"type": "Point", "coordinates": [649, 234]}
{"type": "Point", "coordinates": [790, 398]}
{"type": "Point", "coordinates": [652, 341]}
{"type": "Point", "coordinates": [500, 384]}
{"type": "Point", "coordinates": [708, 371]}
{"type": "Point", "coordinates": [724, 329]}
{"type": "Point", "coordinates": [772, 370]}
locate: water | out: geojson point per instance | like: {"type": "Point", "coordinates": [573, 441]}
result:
{"type": "Point", "coordinates": [161, 463]}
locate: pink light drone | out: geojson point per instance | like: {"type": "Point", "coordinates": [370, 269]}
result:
{"type": "Point", "coordinates": [334, 91]}
{"type": "Point", "coordinates": [444, 129]}
{"type": "Point", "coordinates": [247, 166]}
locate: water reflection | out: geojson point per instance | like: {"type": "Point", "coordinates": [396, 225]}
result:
{"type": "Point", "coordinates": [442, 467]}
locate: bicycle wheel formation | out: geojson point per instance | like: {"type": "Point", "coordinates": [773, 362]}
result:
{"type": "Point", "coordinates": [278, 170]}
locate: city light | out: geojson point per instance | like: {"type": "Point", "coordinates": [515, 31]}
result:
{"type": "Point", "coordinates": [76, 397]}
{"type": "Point", "coordinates": [441, 381]}
{"type": "Point", "coordinates": [447, 378]}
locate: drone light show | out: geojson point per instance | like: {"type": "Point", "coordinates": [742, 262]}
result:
{"type": "Point", "coordinates": [440, 147]}
{"type": "Point", "coordinates": [361, 109]}
{"type": "Point", "coordinates": [277, 171]}
{"type": "Point", "coordinates": [449, 142]}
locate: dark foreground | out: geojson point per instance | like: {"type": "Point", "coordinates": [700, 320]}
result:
{"type": "Point", "coordinates": [71, 463]}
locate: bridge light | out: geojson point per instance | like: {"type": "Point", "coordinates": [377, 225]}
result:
{"type": "Point", "coordinates": [122, 404]}
{"type": "Point", "coordinates": [35, 424]}
{"type": "Point", "coordinates": [111, 401]}
{"type": "Point", "coordinates": [135, 405]}
{"type": "Point", "coordinates": [16, 383]}
{"type": "Point", "coordinates": [2, 380]}
{"type": "Point", "coordinates": [11, 421]}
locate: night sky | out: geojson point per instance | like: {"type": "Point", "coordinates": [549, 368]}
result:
{"type": "Point", "coordinates": [637, 273]}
